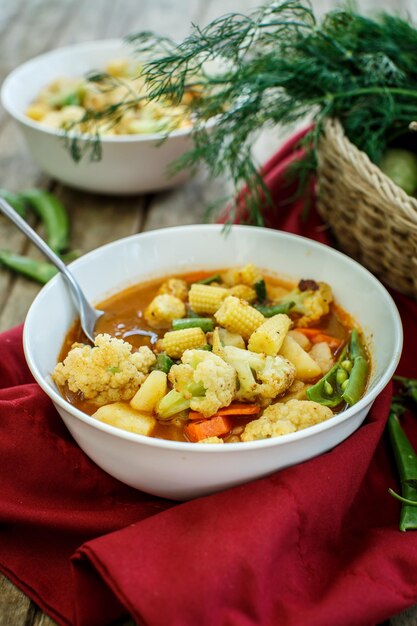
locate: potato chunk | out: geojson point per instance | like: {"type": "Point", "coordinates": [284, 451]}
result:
{"type": "Point", "coordinates": [306, 367]}
{"type": "Point", "coordinates": [150, 392]}
{"type": "Point", "coordinates": [122, 416]}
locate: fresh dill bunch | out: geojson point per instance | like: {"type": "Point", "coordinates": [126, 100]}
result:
{"type": "Point", "coordinates": [275, 67]}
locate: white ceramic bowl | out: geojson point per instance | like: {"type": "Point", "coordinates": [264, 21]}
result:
{"type": "Point", "coordinates": [129, 164]}
{"type": "Point", "coordinates": [186, 470]}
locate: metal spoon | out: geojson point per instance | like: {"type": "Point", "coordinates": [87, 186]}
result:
{"type": "Point", "coordinates": [88, 314]}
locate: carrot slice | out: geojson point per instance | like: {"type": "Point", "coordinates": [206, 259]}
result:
{"type": "Point", "coordinates": [333, 342]}
{"type": "Point", "coordinates": [309, 332]}
{"type": "Point", "coordinates": [216, 426]}
{"type": "Point", "coordinates": [236, 408]}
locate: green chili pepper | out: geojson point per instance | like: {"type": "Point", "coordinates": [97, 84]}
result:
{"type": "Point", "coordinates": [39, 271]}
{"type": "Point", "coordinates": [359, 373]}
{"type": "Point", "coordinates": [53, 215]}
{"type": "Point", "coordinates": [205, 323]}
{"type": "Point", "coordinates": [215, 278]}
{"type": "Point", "coordinates": [270, 311]}
{"type": "Point", "coordinates": [406, 461]}
{"type": "Point", "coordinates": [163, 362]}
{"type": "Point", "coordinates": [15, 201]}
{"type": "Point", "coordinates": [260, 288]}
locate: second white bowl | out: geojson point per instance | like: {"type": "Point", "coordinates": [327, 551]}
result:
{"type": "Point", "coordinates": [129, 164]}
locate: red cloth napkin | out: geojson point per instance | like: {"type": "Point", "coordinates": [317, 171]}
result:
{"type": "Point", "coordinates": [315, 544]}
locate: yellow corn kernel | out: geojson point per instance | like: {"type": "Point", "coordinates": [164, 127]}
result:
{"type": "Point", "coordinates": [244, 292]}
{"type": "Point", "coordinates": [175, 342]}
{"type": "Point", "coordinates": [237, 316]}
{"type": "Point", "coordinates": [269, 336]}
{"type": "Point", "coordinates": [206, 298]}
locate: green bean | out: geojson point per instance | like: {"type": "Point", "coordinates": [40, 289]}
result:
{"type": "Point", "coordinates": [260, 288]}
{"type": "Point", "coordinates": [163, 362]}
{"type": "Point", "coordinates": [215, 278]}
{"type": "Point", "coordinates": [270, 311]}
{"type": "Point", "coordinates": [39, 271]}
{"type": "Point", "coordinates": [206, 346]}
{"type": "Point", "coordinates": [15, 201]}
{"type": "Point", "coordinates": [406, 462]}
{"type": "Point", "coordinates": [53, 215]}
{"type": "Point", "coordinates": [205, 323]}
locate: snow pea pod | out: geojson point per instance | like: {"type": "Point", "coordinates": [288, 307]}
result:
{"type": "Point", "coordinates": [39, 271]}
{"type": "Point", "coordinates": [15, 201]}
{"type": "Point", "coordinates": [356, 384]}
{"type": "Point", "coordinates": [329, 389]}
{"type": "Point", "coordinates": [53, 215]}
{"type": "Point", "coordinates": [406, 462]}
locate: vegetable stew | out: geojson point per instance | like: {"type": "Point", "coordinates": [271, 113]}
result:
{"type": "Point", "coordinates": [228, 356]}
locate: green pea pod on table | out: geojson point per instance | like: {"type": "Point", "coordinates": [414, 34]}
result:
{"type": "Point", "coordinates": [40, 271]}
{"type": "Point", "coordinates": [15, 200]}
{"type": "Point", "coordinates": [53, 215]}
{"type": "Point", "coordinates": [406, 462]}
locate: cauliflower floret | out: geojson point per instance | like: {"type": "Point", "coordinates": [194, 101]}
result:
{"type": "Point", "coordinates": [297, 391]}
{"type": "Point", "coordinates": [105, 373]}
{"type": "Point", "coordinates": [283, 418]}
{"type": "Point", "coordinates": [175, 287]}
{"type": "Point", "coordinates": [205, 380]}
{"type": "Point", "coordinates": [317, 304]}
{"type": "Point", "coordinates": [163, 309]}
{"type": "Point", "coordinates": [310, 299]}
{"type": "Point", "coordinates": [261, 377]}
{"type": "Point", "coordinates": [202, 382]}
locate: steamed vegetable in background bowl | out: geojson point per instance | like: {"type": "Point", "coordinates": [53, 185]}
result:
{"type": "Point", "coordinates": [232, 356]}
{"type": "Point", "coordinates": [70, 103]}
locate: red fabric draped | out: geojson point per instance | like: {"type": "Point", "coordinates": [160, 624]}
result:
{"type": "Point", "coordinates": [314, 544]}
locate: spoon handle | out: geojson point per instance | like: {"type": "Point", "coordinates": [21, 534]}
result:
{"type": "Point", "coordinates": [80, 299]}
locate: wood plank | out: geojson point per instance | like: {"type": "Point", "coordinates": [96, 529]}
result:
{"type": "Point", "coordinates": [14, 605]}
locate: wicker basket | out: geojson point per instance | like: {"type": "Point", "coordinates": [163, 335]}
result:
{"type": "Point", "coordinates": [373, 220]}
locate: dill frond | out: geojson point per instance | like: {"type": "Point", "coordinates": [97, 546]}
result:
{"type": "Point", "coordinates": [277, 66]}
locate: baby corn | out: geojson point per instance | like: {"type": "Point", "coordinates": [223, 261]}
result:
{"type": "Point", "coordinates": [175, 342]}
{"type": "Point", "coordinates": [237, 316]}
{"type": "Point", "coordinates": [206, 298]}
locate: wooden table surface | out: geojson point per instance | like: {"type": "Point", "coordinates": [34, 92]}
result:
{"type": "Point", "coordinates": [30, 27]}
